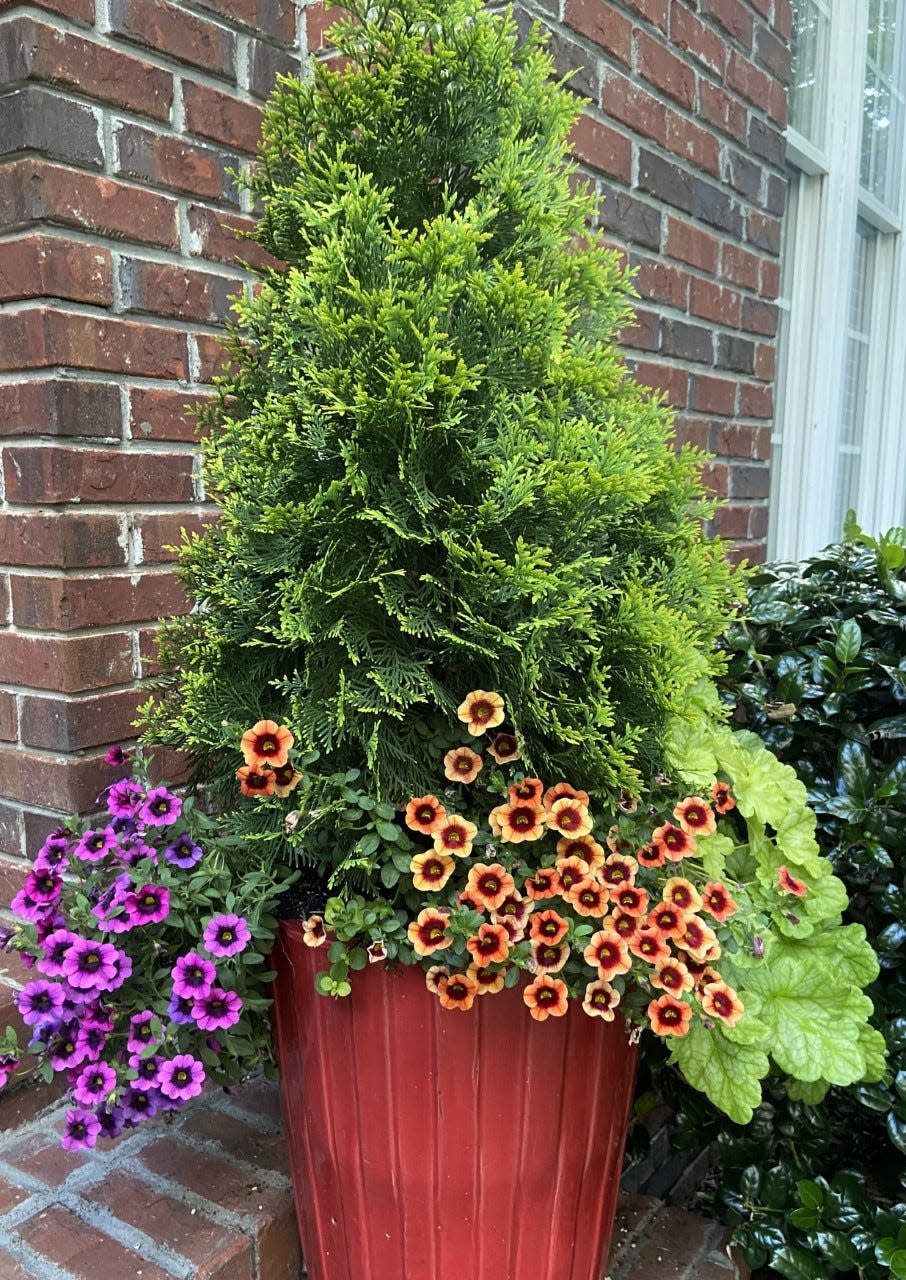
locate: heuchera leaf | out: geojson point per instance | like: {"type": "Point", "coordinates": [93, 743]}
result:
{"type": "Point", "coordinates": [729, 1074]}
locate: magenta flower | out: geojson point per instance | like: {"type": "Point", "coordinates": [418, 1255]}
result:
{"type": "Point", "coordinates": [53, 854]}
{"type": "Point", "coordinates": [90, 966]}
{"type": "Point", "coordinates": [92, 1040]}
{"type": "Point", "coordinates": [217, 1010]}
{"type": "Point", "coordinates": [148, 1069]}
{"type": "Point", "coordinates": [140, 1103]}
{"type": "Point", "coordinates": [82, 1129]}
{"type": "Point", "coordinates": [141, 1031]}
{"type": "Point", "coordinates": [8, 1064]}
{"type": "Point", "coordinates": [183, 852]}
{"type": "Point", "coordinates": [226, 935]}
{"type": "Point", "coordinates": [123, 971]}
{"type": "Point", "coordinates": [43, 886]}
{"type": "Point", "coordinates": [124, 798]}
{"type": "Point", "coordinates": [95, 845]}
{"type": "Point", "coordinates": [40, 1001]}
{"type": "Point", "coordinates": [161, 808]}
{"type": "Point", "coordinates": [132, 853]}
{"type": "Point", "coordinates": [193, 976]}
{"type": "Point", "coordinates": [116, 756]}
{"type": "Point", "coordinates": [93, 1083]}
{"type": "Point", "coordinates": [28, 908]}
{"type": "Point", "coordinates": [64, 1049]}
{"type": "Point", "coordinates": [56, 949]}
{"type": "Point", "coordinates": [181, 1077]}
{"type": "Point", "coordinates": [148, 905]}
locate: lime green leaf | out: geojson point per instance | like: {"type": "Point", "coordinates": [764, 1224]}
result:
{"type": "Point", "coordinates": [874, 1046]}
{"type": "Point", "coordinates": [689, 753]}
{"type": "Point", "coordinates": [810, 1091]}
{"type": "Point", "coordinates": [730, 1074]}
{"type": "Point", "coordinates": [713, 851]}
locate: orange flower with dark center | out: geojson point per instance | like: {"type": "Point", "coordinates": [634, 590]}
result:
{"type": "Point", "coordinates": [650, 856]}
{"type": "Point", "coordinates": [487, 981]}
{"type": "Point", "coordinates": [722, 797]}
{"type": "Point", "coordinates": [431, 871]}
{"type": "Point", "coordinates": [717, 902]}
{"type": "Point", "coordinates": [584, 847]}
{"type": "Point", "coordinates": [569, 817]}
{"type": "Point", "coordinates": [490, 945]}
{"type": "Point", "coordinates": [520, 821]}
{"type": "Point", "coordinates": [286, 779]}
{"type": "Point", "coordinates": [608, 953]}
{"type": "Point", "coordinates": [789, 883]}
{"type": "Point", "coordinates": [466, 900]}
{"type": "Point", "coordinates": [681, 893]}
{"type": "Point", "coordinates": [457, 991]}
{"type": "Point", "coordinates": [695, 816]}
{"type": "Point", "coordinates": [545, 883]}
{"type": "Point", "coordinates": [266, 743]}
{"type": "Point", "coordinates": [504, 748]}
{"type": "Point", "coordinates": [428, 932]}
{"type": "Point", "coordinates": [674, 841]}
{"type": "Point", "coordinates": [425, 814]}
{"type": "Point", "coordinates": [462, 764]}
{"type": "Point", "coordinates": [721, 1001]}
{"type": "Point", "coordinates": [434, 975]}
{"type": "Point", "coordinates": [481, 711]}
{"type": "Point", "coordinates": [255, 782]}
{"type": "Point", "coordinates": [551, 957]}
{"type": "Point", "coordinates": [588, 898]}
{"type": "Point", "coordinates": [695, 938]}
{"type": "Point", "coordinates": [703, 974]}
{"type": "Point", "coordinates": [623, 924]}
{"type": "Point", "coordinates": [601, 1000]}
{"type": "Point", "coordinates": [514, 931]}
{"type": "Point", "coordinates": [618, 843]}
{"type": "Point", "coordinates": [571, 871]}
{"type": "Point", "coordinates": [494, 820]}
{"type": "Point", "coordinates": [455, 836]}
{"type": "Point", "coordinates": [546, 997]}
{"type": "Point", "coordinates": [632, 900]}
{"type": "Point", "coordinates": [313, 932]}
{"type": "Point", "coordinates": [666, 920]}
{"type": "Point", "coordinates": [649, 946]}
{"type": "Point", "coordinates": [669, 1016]}
{"type": "Point", "coordinates": [514, 910]}
{"type": "Point", "coordinates": [548, 926]}
{"type": "Point", "coordinates": [672, 975]}
{"type": "Point", "coordinates": [489, 884]}
{"type": "Point", "coordinates": [527, 789]}
{"type": "Point", "coordinates": [618, 870]}
{"type": "Point", "coordinates": [561, 789]}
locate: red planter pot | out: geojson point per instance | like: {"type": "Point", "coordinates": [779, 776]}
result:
{"type": "Point", "coordinates": [429, 1144]}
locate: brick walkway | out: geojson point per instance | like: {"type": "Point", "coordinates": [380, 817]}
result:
{"type": "Point", "coordinates": [204, 1195]}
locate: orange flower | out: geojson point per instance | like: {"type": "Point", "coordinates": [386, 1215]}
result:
{"type": "Point", "coordinates": [717, 901]}
{"type": "Point", "coordinates": [623, 924]}
{"type": "Point", "coordinates": [266, 743]}
{"type": "Point", "coordinates": [513, 914]}
{"type": "Point", "coordinates": [618, 870]}
{"type": "Point", "coordinates": [627, 802]}
{"type": "Point", "coordinates": [286, 779]}
{"type": "Point", "coordinates": [703, 975]}
{"type": "Point", "coordinates": [669, 1016]}
{"type": "Point", "coordinates": [545, 883]}
{"type": "Point", "coordinates": [425, 814]}
{"type": "Point", "coordinates": [696, 937]}
{"type": "Point", "coordinates": [434, 975]}
{"type": "Point", "coordinates": [455, 836]}
{"type": "Point", "coordinates": [490, 945]}
{"type": "Point", "coordinates": [666, 920]}
{"type": "Point", "coordinates": [681, 893]}
{"type": "Point", "coordinates": [569, 817]}
{"type": "Point", "coordinates": [722, 797]}
{"type": "Point", "coordinates": [527, 789]}
{"type": "Point", "coordinates": [588, 898]}
{"type": "Point", "coordinates": [548, 926]}
{"type": "Point", "coordinates": [695, 816]}
{"type": "Point", "coordinates": [254, 782]}
{"type": "Point", "coordinates": [462, 764]}
{"type": "Point", "coordinates": [672, 975]}
{"type": "Point", "coordinates": [431, 871]}
{"type": "Point", "coordinates": [561, 789]}
{"type": "Point", "coordinates": [489, 884]}
{"type": "Point", "coordinates": [487, 981]}
{"type": "Point", "coordinates": [617, 843]}
{"type": "Point", "coordinates": [674, 841]}
{"type": "Point", "coordinates": [608, 953]}
{"type": "Point", "coordinates": [583, 847]}
{"type": "Point", "coordinates": [428, 932]}
{"type": "Point", "coordinates": [649, 946]}
{"type": "Point", "coordinates": [571, 871]}
{"type": "Point", "coordinates": [520, 821]}
{"type": "Point", "coordinates": [601, 1000]}
{"type": "Point", "coordinates": [721, 1001]}
{"type": "Point", "coordinates": [630, 899]}
{"type": "Point", "coordinates": [466, 900]}
{"type": "Point", "coordinates": [650, 856]}
{"type": "Point", "coordinates": [551, 957]}
{"type": "Point", "coordinates": [494, 821]}
{"type": "Point", "coordinates": [546, 997]}
{"type": "Point", "coordinates": [457, 991]}
{"type": "Point", "coordinates": [504, 748]}
{"type": "Point", "coordinates": [789, 884]}
{"type": "Point", "coordinates": [480, 711]}
{"type": "Point", "coordinates": [313, 932]}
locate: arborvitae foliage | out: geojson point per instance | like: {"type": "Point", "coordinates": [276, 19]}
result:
{"type": "Point", "coordinates": [433, 472]}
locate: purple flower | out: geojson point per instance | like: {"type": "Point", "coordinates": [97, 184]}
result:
{"type": "Point", "coordinates": [183, 852]}
{"type": "Point", "coordinates": [6, 936]}
{"type": "Point", "coordinates": [93, 1083]}
{"type": "Point", "coordinates": [135, 851]}
{"type": "Point", "coordinates": [53, 854]}
{"type": "Point", "coordinates": [116, 756]}
{"type": "Point", "coordinates": [193, 976]}
{"type": "Point", "coordinates": [43, 886]}
{"type": "Point", "coordinates": [92, 1039]}
{"type": "Point", "coordinates": [40, 1001]}
{"type": "Point", "coordinates": [140, 1103]}
{"type": "Point", "coordinates": [64, 1049]}
{"type": "Point", "coordinates": [111, 1121]}
{"type": "Point", "coordinates": [148, 1069]}
{"type": "Point", "coordinates": [148, 905]}
{"type": "Point", "coordinates": [161, 808]}
{"type": "Point", "coordinates": [124, 798]}
{"type": "Point", "coordinates": [123, 970]}
{"type": "Point", "coordinates": [141, 1031]}
{"type": "Point", "coordinates": [226, 935]}
{"type": "Point", "coordinates": [56, 948]}
{"type": "Point", "coordinates": [95, 845]}
{"type": "Point", "coordinates": [8, 1064]}
{"type": "Point", "coordinates": [28, 908]}
{"type": "Point", "coordinates": [110, 906]}
{"type": "Point", "coordinates": [217, 1010]}
{"type": "Point", "coordinates": [82, 1129]}
{"type": "Point", "coordinates": [180, 1009]}
{"type": "Point", "coordinates": [91, 966]}
{"type": "Point", "coordinates": [181, 1077]}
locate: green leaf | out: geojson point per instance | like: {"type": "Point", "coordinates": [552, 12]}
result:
{"type": "Point", "coordinates": [389, 875]}
{"type": "Point", "coordinates": [848, 641]}
{"type": "Point", "coordinates": [796, 1264]}
{"type": "Point", "coordinates": [810, 1193]}
{"type": "Point", "coordinates": [387, 831]}
{"type": "Point", "coordinates": [729, 1074]}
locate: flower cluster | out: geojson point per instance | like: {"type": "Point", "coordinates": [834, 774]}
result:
{"type": "Point", "coordinates": [147, 952]}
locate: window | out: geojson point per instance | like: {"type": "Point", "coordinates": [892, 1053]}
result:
{"type": "Point", "coordinates": [840, 437]}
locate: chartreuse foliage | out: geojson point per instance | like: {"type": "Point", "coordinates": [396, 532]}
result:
{"type": "Point", "coordinates": [432, 469]}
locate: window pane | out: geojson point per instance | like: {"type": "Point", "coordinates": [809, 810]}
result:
{"type": "Point", "coordinates": [808, 83]}
{"type": "Point", "coordinates": [855, 385]}
{"type": "Point", "coordinates": [882, 101]}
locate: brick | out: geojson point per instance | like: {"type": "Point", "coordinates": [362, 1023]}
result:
{"type": "Point", "coordinates": [694, 431]}
{"type": "Point", "coordinates": [740, 440]}
{"type": "Point", "coordinates": [633, 105]}
{"type": "Point", "coordinates": [29, 1100]}
{"type": "Point", "coordinates": [71, 603]}
{"type": "Point", "coordinates": [654, 11]}
{"type": "Point", "coordinates": [735, 353]}
{"type": "Point", "coordinates": [37, 119]}
{"type": "Point", "coordinates": [62, 541]}
{"type": "Point", "coordinates": [265, 64]}
{"type": "Point", "coordinates": [783, 18]}
{"type": "Point", "coordinates": [221, 237]}
{"type": "Point", "coordinates": [744, 78]}
{"type": "Point", "coordinates": [664, 180]}
{"type": "Point", "coordinates": [756, 401]}
{"type": "Point", "coordinates": [164, 290]}
{"type": "Point", "coordinates": [715, 477]}
{"type": "Point", "coordinates": [722, 110]}
{"type": "Point", "coordinates": [59, 408]}
{"type": "Point", "coordinates": [688, 341]}
{"type": "Point", "coordinates": [66, 724]}
{"type": "Point", "coordinates": [602, 24]}
{"type": "Point", "coordinates": [631, 219]}
{"type": "Point", "coordinates": [712, 302]}
{"type": "Point", "coordinates": [213, 359]}
{"type": "Point", "coordinates": [643, 333]}
{"type": "Point", "coordinates": [731, 522]}
{"type": "Point", "coordinates": [170, 30]}
{"type": "Point", "coordinates": [750, 482]}
{"type": "Point", "coordinates": [740, 266]}
{"type": "Point", "coordinates": [773, 53]}
{"type": "Point", "coordinates": [147, 649]}
{"type": "Point", "coordinates": [713, 395]}
{"type": "Point", "coordinates": [159, 414]}
{"type": "Point", "coordinates": [762, 231]}
{"type": "Point", "coordinates": [31, 50]}
{"type": "Point", "coordinates": [634, 1212]}
{"type": "Point", "coordinates": [78, 10]}
{"type": "Point", "coordinates": [43, 337]}
{"type": "Point", "coordinates": [744, 175]}
{"type": "Point", "coordinates": [666, 378]}
{"type": "Point", "coordinates": [11, 832]}
{"type": "Point", "coordinates": [767, 141]}
{"type": "Point", "coordinates": [691, 244]}
{"type": "Point", "coordinates": [733, 16]}
{"type": "Point", "coordinates": [54, 474]}
{"type": "Point", "coordinates": [705, 45]}
{"type": "Point", "coordinates": [155, 534]}
{"type": "Point", "coordinates": [759, 317]}
{"type": "Point", "coordinates": [712, 205]}
{"type": "Point", "coordinates": [221, 118]}
{"type": "Point", "coordinates": [765, 361]}
{"type": "Point", "coordinates": [172, 163]}
{"type": "Point", "coordinates": [663, 69]}
{"type": "Point", "coordinates": [692, 143]}
{"type": "Point", "coordinates": [660, 281]}
{"type": "Point", "coordinates": [758, 528]}
{"type": "Point", "coordinates": [68, 785]}
{"type": "Point", "coordinates": [770, 279]}
{"type": "Point", "coordinates": [67, 664]}
{"type": "Point", "coordinates": [33, 190]}
{"type": "Point", "coordinates": [86, 1254]}
{"type": "Point", "coordinates": [601, 147]}
{"type": "Point", "coordinates": [275, 18]}
{"type": "Point", "coordinates": [779, 106]}
{"type": "Point", "coordinates": [9, 717]}
{"type": "Point", "coordinates": [38, 266]}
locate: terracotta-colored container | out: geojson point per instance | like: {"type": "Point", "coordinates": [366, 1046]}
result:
{"type": "Point", "coordinates": [429, 1144]}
